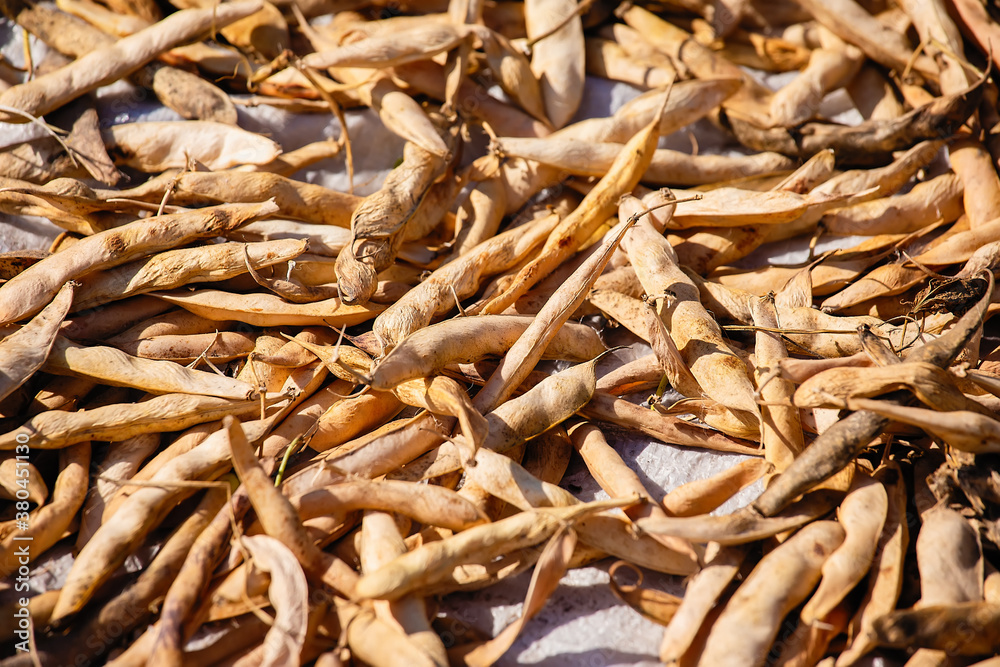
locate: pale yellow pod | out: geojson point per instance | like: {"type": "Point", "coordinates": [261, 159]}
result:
{"type": "Point", "coordinates": [505, 119]}
{"type": "Point", "coordinates": [515, 74]}
{"type": "Point", "coordinates": [291, 354]}
{"type": "Point", "coordinates": [558, 61]}
{"type": "Point", "coordinates": [191, 96]}
{"type": "Point", "coordinates": [753, 99]}
{"type": "Point", "coordinates": [509, 481]}
{"type": "Point", "coordinates": [517, 362]}
{"type": "Point", "coordinates": [668, 167]}
{"type": "Point", "coordinates": [852, 23]}
{"type": "Point", "coordinates": [379, 221]}
{"type": "Point", "coordinates": [392, 48]}
{"type": "Point", "coordinates": [47, 523]}
{"type": "Point", "coordinates": [936, 27]}
{"type": "Point", "coordinates": [733, 207]}
{"type": "Point", "coordinates": [665, 428]}
{"type": "Point", "coordinates": [638, 375]}
{"type": "Point", "coordinates": [828, 68]}
{"type": "Point", "coordinates": [745, 525]}
{"type": "Point", "coordinates": [703, 496]}
{"type": "Point", "coordinates": [24, 351]}
{"type": "Point", "coordinates": [545, 405]}
{"type": "Point", "coordinates": [426, 503]}
{"type": "Point", "coordinates": [322, 240]}
{"type": "Point", "coordinates": [343, 361]}
{"type": "Point", "coordinates": [433, 562]}
{"type": "Point", "coordinates": [352, 26]}
{"type": "Point", "coordinates": [625, 310]}
{"type": "Point", "coordinates": [974, 166]}
{"type": "Point", "coordinates": [441, 395]}
{"type": "Point", "coordinates": [721, 374]}
{"type": "Point", "coordinates": [427, 350]}
{"type": "Point", "coordinates": [265, 31]}
{"type": "Point", "coordinates": [608, 60]}
{"type": "Point", "coordinates": [882, 281]}
{"type": "Point", "coordinates": [827, 277]}
{"type": "Point", "coordinates": [292, 161]}
{"type": "Point", "coordinates": [119, 464]}
{"type": "Point", "coordinates": [295, 199]}
{"type": "Point", "coordinates": [106, 65]}
{"type": "Point", "coordinates": [743, 633]}
{"type": "Point", "coordinates": [960, 246]}
{"type": "Point", "coordinates": [599, 204]}
{"type": "Point", "coordinates": [887, 179]}
{"type": "Point", "coordinates": [700, 596]}
{"type": "Point", "coordinates": [780, 425]}
{"type": "Point", "coordinates": [688, 102]}
{"type": "Point", "coordinates": [304, 416]}
{"type": "Point", "coordinates": [380, 543]}
{"type": "Point", "coordinates": [436, 295]}
{"type": "Point", "coordinates": [886, 580]}
{"type": "Point", "coordinates": [832, 388]}
{"type": "Point", "coordinates": [30, 290]}
{"type": "Point", "coordinates": [288, 593]}
{"type": "Point", "coordinates": [862, 514]}
{"type": "Point", "coordinates": [144, 322]}
{"type": "Point", "coordinates": [114, 540]}
{"type": "Point", "coordinates": [379, 643]}
{"type": "Point", "coordinates": [937, 199]}
{"type": "Point", "coordinates": [873, 95]}
{"type": "Point", "coordinates": [60, 394]}
{"type": "Point", "coordinates": [611, 472]}
{"type": "Point", "coordinates": [175, 268]}
{"type": "Point", "coordinates": [279, 518]}
{"type": "Point", "coordinates": [965, 431]}
{"type": "Point", "coordinates": [799, 323]}
{"type": "Point", "coordinates": [473, 577]}
{"type": "Point", "coordinates": [352, 417]}
{"type": "Point", "coordinates": [154, 146]}
{"type": "Point", "coordinates": [171, 412]}
{"type": "Point", "coordinates": [114, 367]}
{"type": "Point", "coordinates": [953, 575]}
{"type": "Point", "coordinates": [635, 45]}
{"type": "Point", "coordinates": [379, 452]}
{"type": "Point", "coordinates": [120, 25]}
{"type": "Point", "coordinates": [35, 485]}
{"type": "Point", "coordinates": [218, 347]}
{"type": "Point", "coordinates": [480, 216]}
{"type": "Point", "coordinates": [403, 116]}
{"type": "Point", "coordinates": [268, 309]}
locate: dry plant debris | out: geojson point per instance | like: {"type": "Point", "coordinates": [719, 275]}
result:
{"type": "Point", "coordinates": [311, 415]}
